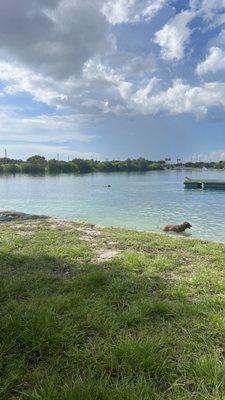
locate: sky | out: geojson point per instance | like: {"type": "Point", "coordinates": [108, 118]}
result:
{"type": "Point", "coordinates": [112, 79]}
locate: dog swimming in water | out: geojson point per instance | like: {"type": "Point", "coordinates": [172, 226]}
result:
{"type": "Point", "coordinates": [177, 228]}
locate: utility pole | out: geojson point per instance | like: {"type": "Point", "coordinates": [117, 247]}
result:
{"type": "Point", "coordinates": [57, 156]}
{"type": "Point", "coordinates": [6, 153]}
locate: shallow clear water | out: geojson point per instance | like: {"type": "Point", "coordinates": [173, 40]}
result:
{"type": "Point", "coordinates": [144, 201]}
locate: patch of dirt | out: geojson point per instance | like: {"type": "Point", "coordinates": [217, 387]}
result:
{"type": "Point", "coordinates": [112, 243]}
{"type": "Point", "coordinates": [17, 227]}
{"type": "Point", "coordinates": [105, 255]}
{"type": "Point", "coordinates": [89, 233]}
{"type": "Point", "coordinates": [175, 274]}
{"type": "Point", "coordinates": [24, 229]}
{"type": "Point", "coordinates": [24, 233]}
{"type": "Point", "coordinates": [23, 226]}
{"type": "Point", "coordinates": [58, 223]}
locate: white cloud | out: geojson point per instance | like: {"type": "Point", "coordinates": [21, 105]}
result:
{"type": "Point", "coordinates": [143, 99]}
{"type": "Point", "coordinates": [25, 150]}
{"type": "Point", "coordinates": [208, 7]}
{"type": "Point", "coordinates": [103, 90]}
{"type": "Point", "coordinates": [214, 62]}
{"type": "Point", "coordinates": [54, 38]}
{"type": "Point", "coordinates": [174, 36]}
{"type": "Point", "coordinates": [129, 11]}
{"type": "Point", "coordinates": [99, 87]}
{"type": "Point", "coordinates": [179, 98]}
{"type": "Point", "coordinates": [99, 72]}
{"type": "Point", "coordinates": [42, 129]}
{"type": "Point", "coordinates": [44, 134]}
{"type": "Point", "coordinates": [218, 155]}
{"type": "Point", "coordinates": [85, 82]}
{"type": "Point", "coordinates": [19, 79]}
{"type": "Point", "coordinates": [52, 127]}
{"type": "Point", "coordinates": [211, 11]}
{"type": "Point", "coordinates": [138, 66]}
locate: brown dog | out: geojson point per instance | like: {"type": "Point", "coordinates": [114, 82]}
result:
{"type": "Point", "coordinates": [177, 228]}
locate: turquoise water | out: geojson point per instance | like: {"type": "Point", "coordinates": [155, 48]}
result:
{"type": "Point", "coordinates": [144, 201]}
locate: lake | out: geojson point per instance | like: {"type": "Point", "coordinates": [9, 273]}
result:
{"type": "Point", "coordinates": [144, 201]}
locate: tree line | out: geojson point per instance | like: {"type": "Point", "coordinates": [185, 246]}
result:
{"type": "Point", "coordinates": [40, 165]}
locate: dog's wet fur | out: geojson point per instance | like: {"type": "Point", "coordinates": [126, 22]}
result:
{"type": "Point", "coordinates": [177, 228]}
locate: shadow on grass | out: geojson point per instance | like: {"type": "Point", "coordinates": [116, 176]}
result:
{"type": "Point", "coordinates": [72, 330]}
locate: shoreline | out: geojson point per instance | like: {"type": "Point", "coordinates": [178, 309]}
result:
{"type": "Point", "coordinates": [47, 173]}
{"type": "Point", "coordinates": [7, 215]}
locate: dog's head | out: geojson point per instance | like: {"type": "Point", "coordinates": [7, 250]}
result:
{"type": "Point", "coordinates": [187, 225]}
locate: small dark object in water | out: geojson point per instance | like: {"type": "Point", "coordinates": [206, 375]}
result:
{"type": "Point", "coordinates": [109, 185]}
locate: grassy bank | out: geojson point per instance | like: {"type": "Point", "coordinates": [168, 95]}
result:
{"type": "Point", "coordinates": [90, 313]}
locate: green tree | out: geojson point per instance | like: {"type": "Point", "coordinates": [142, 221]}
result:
{"type": "Point", "coordinates": [156, 166]}
{"type": "Point", "coordinates": [29, 168]}
{"type": "Point", "coordinates": [143, 164]}
{"type": "Point", "coordinates": [83, 166]}
{"type": "Point", "coordinates": [37, 160]}
{"type": "Point", "coordinates": [12, 169]}
{"type": "Point", "coordinates": [54, 167]}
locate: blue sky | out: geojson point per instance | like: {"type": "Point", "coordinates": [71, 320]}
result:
{"type": "Point", "coordinates": [113, 78]}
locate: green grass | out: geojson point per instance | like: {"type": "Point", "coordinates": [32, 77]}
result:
{"type": "Point", "coordinates": [148, 324]}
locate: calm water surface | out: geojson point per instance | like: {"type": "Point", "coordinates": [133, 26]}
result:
{"type": "Point", "coordinates": [144, 201]}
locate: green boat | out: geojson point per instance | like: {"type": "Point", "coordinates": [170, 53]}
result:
{"type": "Point", "coordinates": [204, 184]}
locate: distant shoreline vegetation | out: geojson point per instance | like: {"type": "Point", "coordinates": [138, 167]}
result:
{"type": "Point", "coordinates": [40, 165]}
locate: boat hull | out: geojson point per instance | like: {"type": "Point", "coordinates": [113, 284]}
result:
{"type": "Point", "coordinates": [204, 184]}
